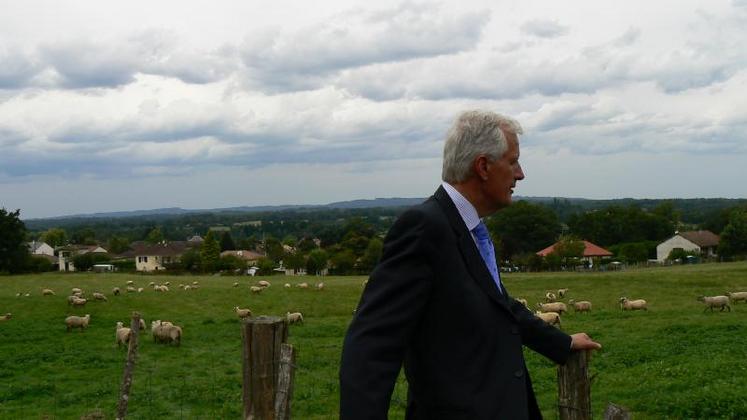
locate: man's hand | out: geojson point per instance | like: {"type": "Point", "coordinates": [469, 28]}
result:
{"type": "Point", "coordinates": [581, 341]}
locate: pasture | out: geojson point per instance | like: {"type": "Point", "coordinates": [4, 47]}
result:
{"type": "Point", "coordinates": [673, 361]}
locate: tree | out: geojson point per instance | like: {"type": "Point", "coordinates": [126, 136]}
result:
{"type": "Point", "coordinates": [209, 253]}
{"type": "Point", "coordinates": [155, 236]}
{"type": "Point", "coordinates": [118, 244]}
{"type": "Point", "coordinates": [371, 255]}
{"type": "Point", "coordinates": [54, 237]}
{"type": "Point", "coordinates": [273, 248]}
{"type": "Point", "coordinates": [14, 253]}
{"type": "Point", "coordinates": [523, 228]}
{"type": "Point", "coordinates": [343, 262]}
{"type": "Point", "coordinates": [84, 262]}
{"type": "Point", "coordinates": [569, 248]}
{"type": "Point", "coordinates": [226, 242]}
{"type": "Point", "coordinates": [733, 240]}
{"type": "Point", "coordinates": [317, 261]}
{"type": "Point", "coordinates": [84, 236]}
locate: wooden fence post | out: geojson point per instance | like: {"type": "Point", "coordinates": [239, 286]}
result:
{"type": "Point", "coordinates": [284, 392]}
{"type": "Point", "coordinates": [574, 387]}
{"type": "Point", "coordinates": [124, 394]}
{"type": "Point", "coordinates": [262, 337]}
{"type": "Point", "coordinates": [616, 412]}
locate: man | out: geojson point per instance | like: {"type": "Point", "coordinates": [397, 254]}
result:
{"type": "Point", "coordinates": [435, 301]}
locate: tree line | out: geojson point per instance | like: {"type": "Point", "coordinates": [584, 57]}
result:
{"type": "Point", "coordinates": [350, 241]}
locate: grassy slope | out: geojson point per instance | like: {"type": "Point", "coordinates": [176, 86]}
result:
{"type": "Point", "coordinates": [674, 361]}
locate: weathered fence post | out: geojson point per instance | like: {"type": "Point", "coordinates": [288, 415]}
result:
{"type": "Point", "coordinates": [284, 392]}
{"type": "Point", "coordinates": [574, 387]}
{"type": "Point", "coordinates": [262, 338]}
{"type": "Point", "coordinates": [124, 394]}
{"type": "Point", "coordinates": [616, 412]}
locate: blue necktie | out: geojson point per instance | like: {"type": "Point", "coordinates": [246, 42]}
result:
{"type": "Point", "coordinates": [487, 251]}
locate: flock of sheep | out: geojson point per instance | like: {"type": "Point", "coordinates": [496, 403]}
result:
{"type": "Point", "coordinates": [162, 331]}
{"type": "Point", "coordinates": [551, 309]}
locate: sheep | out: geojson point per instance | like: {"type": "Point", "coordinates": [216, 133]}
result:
{"type": "Point", "coordinates": [263, 283]}
{"type": "Point", "coordinates": [79, 294]}
{"type": "Point", "coordinates": [580, 306]}
{"type": "Point", "coordinates": [195, 283]}
{"type": "Point", "coordinates": [166, 332]}
{"type": "Point", "coordinates": [193, 287]}
{"type": "Point", "coordinates": [6, 316]}
{"type": "Point", "coordinates": [236, 284]}
{"type": "Point", "coordinates": [115, 291]}
{"type": "Point", "coordinates": [122, 334]}
{"type": "Point", "coordinates": [130, 282]}
{"type": "Point", "coordinates": [287, 285]}
{"type": "Point", "coordinates": [161, 288]}
{"type": "Point", "coordinates": [243, 313]}
{"type": "Point", "coordinates": [140, 290]}
{"type": "Point", "coordinates": [142, 324]}
{"type": "Point", "coordinates": [303, 285]}
{"type": "Point", "coordinates": [131, 289]}
{"type": "Point", "coordinates": [737, 296]}
{"type": "Point", "coordinates": [294, 317]}
{"type": "Point", "coordinates": [79, 302]}
{"type": "Point", "coordinates": [550, 297]}
{"type": "Point", "coordinates": [48, 292]}
{"type": "Point", "coordinates": [76, 290]}
{"type": "Point", "coordinates": [558, 307]}
{"type": "Point", "coordinates": [188, 287]}
{"type": "Point", "coordinates": [151, 284]}
{"type": "Point", "coordinates": [77, 322]}
{"type": "Point", "coordinates": [562, 292]}
{"type": "Point", "coordinates": [715, 302]}
{"type": "Point", "coordinates": [551, 318]}
{"type": "Point", "coordinates": [320, 286]}
{"type": "Point", "coordinates": [168, 283]}
{"type": "Point", "coordinates": [633, 305]}
{"type": "Point", "coordinates": [99, 296]}
{"type": "Point", "coordinates": [70, 299]}
{"type": "Point", "coordinates": [256, 289]}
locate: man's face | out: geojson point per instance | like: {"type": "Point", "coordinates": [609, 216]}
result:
{"type": "Point", "coordinates": [503, 174]}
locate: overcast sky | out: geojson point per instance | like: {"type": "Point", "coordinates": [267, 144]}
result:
{"type": "Point", "coordinates": [109, 106]}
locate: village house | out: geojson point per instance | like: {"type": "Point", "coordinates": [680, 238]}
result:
{"type": "Point", "coordinates": [156, 257]}
{"type": "Point", "coordinates": [67, 253]}
{"type": "Point", "coordinates": [591, 251]}
{"type": "Point", "coordinates": [703, 242]}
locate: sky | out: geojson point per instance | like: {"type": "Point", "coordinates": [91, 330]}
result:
{"type": "Point", "coordinates": [114, 106]}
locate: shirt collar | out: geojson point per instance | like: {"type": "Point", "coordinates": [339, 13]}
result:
{"type": "Point", "coordinates": [466, 210]}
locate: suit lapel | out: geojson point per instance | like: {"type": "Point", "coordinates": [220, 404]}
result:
{"type": "Point", "coordinates": [469, 251]}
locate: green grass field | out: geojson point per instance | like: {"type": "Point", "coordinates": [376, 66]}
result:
{"type": "Point", "coordinates": [674, 361]}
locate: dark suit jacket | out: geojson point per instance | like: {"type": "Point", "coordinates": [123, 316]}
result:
{"type": "Point", "coordinates": [432, 304]}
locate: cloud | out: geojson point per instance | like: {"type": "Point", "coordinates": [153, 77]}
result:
{"type": "Point", "coordinates": [544, 28]}
{"type": "Point", "coordinates": [304, 59]}
{"type": "Point", "coordinates": [17, 68]}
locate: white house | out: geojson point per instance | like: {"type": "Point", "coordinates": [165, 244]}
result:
{"type": "Point", "coordinates": [67, 253]}
{"type": "Point", "coordinates": [40, 248]}
{"type": "Point", "coordinates": [703, 242]}
{"type": "Point", "coordinates": [155, 257]}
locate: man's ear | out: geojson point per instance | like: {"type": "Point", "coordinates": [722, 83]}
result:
{"type": "Point", "coordinates": [480, 166]}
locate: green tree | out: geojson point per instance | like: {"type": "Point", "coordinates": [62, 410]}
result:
{"type": "Point", "coordinates": [54, 237]}
{"type": "Point", "coordinates": [84, 262]}
{"type": "Point", "coordinates": [84, 236]}
{"type": "Point", "coordinates": [343, 262]}
{"type": "Point", "coordinates": [190, 260]}
{"type": "Point", "coordinates": [733, 240]}
{"type": "Point", "coordinates": [209, 253]}
{"type": "Point", "coordinates": [372, 255]}
{"type": "Point", "coordinates": [14, 253]}
{"type": "Point", "coordinates": [266, 266]}
{"type": "Point", "coordinates": [118, 244]}
{"type": "Point", "coordinates": [306, 245]}
{"type": "Point", "coordinates": [316, 261]}
{"type": "Point", "coordinates": [274, 248]}
{"type": "Point", "coordinates": [523, 228]}
{"type": "Point", "coordinates": [226, 242]}
{"type": "Point", "coordinates": [569, 249]}
{"type": "Point", "coordinates": [155, 236]}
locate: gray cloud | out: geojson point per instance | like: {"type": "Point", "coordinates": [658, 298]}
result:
{"type": "Point", "coordinates": [306, 58]}
{"type": "Point", "coordinates": [544, 28]}
{"type": "Point", "coordinates": [17, 69]}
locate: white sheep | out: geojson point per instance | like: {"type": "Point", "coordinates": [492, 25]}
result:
{"type": "Point", "coordinates": [320, 286]}
{"type": "Point", "coordinates": [6, 316]}
{"type": "Point", "coordinates": [195, 283]}
{"type": "Point", "coordinates": [142, 324]}
{"type": "Point", "coordinates": [294, 317]}
{"type": "Point", "coordinates": [79, 294]}
{"type": "Point", "coordinates": [550, 297]}
{"type": "Point", "coordinates": [236, 284]}
{"type": "Point", "coordinates": [76, 290]}
{"type": "Point", "coordinates": [737, 296]}
{"type": "Point", "coordinates": [122, 335]}
{"type": "Point", "coordinates": [263, 283]}
{"type": "Point", "coordinates": [715, 302]}
{"type": "Point", "coordinates": [256, 289]}
{"type": "Point", "coordinates": [166, 332]}
{"type": "Point", "coordinates": [580, 306]}
{"type": "Point", "coordinates": [558, 307]}
{"type": "Point", "coordinates": [99, 296]}
{"type": "Point", "coordinates": [48, 292]}
{"type": "Point", "coordinates": [140, 290]}
{"type": "Point", "coordinates": [115, 291]}
{"type": "Point", "coordinates": [130, 282]}
{"type": "Point", "coordinates": [551, 318]}
{"type": "Point", "coordinates": [79, 302]}
{"type": "Point", "coordinates": [151, 284]}
{"type": "Point", "coordinates": [303, 285]}
{"type": "Point", "coordinates": [243, 313]}
{"type": "Point", "coordinates": [633, 305]}
{"type": "Point", "coordinates": [77, 322]}
{"type": "Point", "coordinates": [287, 285]}
{"type": "Point", "coordinates": [131, 289]}
{"type": "Point", "coordinates": [168, 283]}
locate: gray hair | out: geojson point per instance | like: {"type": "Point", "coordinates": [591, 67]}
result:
{"type": "Point", "coordinates": [475, 133]}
